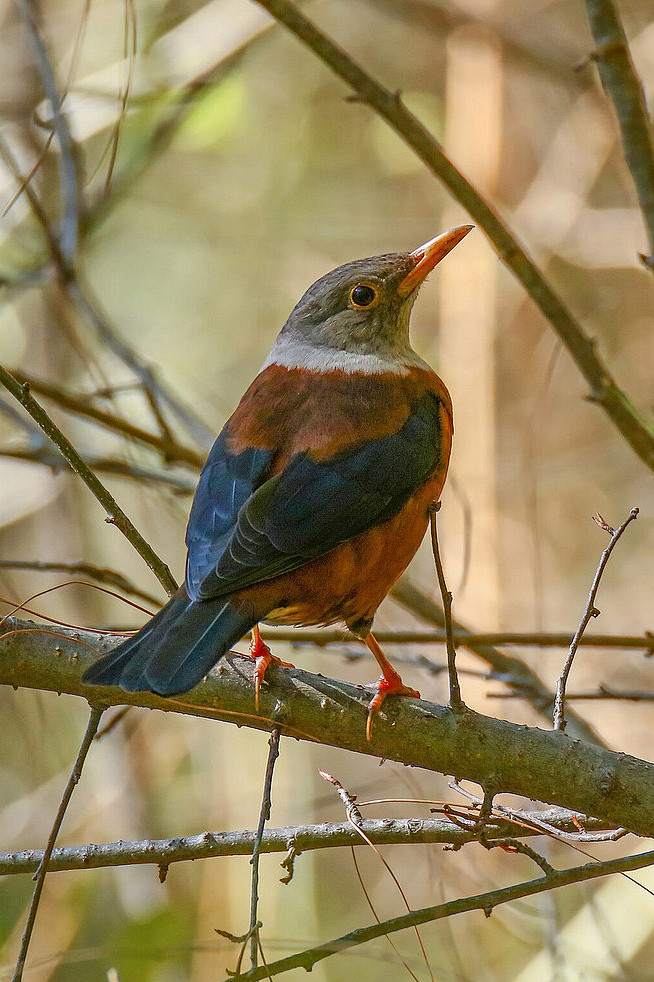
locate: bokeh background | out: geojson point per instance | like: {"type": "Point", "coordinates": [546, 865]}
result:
{"type": "Point", "coordinates": [242, 173]}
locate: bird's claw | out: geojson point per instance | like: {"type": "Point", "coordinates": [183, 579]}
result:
{"type": "Point", "coordinates": [263, 657]}
{"type": "Point", "coordinates": [393, 686]}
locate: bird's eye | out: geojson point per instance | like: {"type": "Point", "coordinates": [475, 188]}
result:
{"type": "Point", "coordinates": [363, 296]}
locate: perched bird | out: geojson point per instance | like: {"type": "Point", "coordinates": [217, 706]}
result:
{"type": "Point", "coordinates": [316, 494]}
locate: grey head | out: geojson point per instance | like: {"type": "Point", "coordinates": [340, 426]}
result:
{"type": "Point", "coordinates": [357, 316]}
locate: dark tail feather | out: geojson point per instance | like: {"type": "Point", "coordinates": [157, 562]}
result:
{"type": "Point", "coordinates": [174, 650]}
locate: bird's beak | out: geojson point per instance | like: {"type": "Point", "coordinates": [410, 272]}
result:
{"type": "Point", "coordinates": [428, 255]}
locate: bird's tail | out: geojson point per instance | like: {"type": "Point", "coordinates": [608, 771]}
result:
{"type": "Point", "coordinates": [174, 650]}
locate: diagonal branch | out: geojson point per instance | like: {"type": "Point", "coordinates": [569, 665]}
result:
{"type": "Point", "coordinates": [638, 433]}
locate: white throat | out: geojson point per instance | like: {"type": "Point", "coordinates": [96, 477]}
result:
{"type": "Point", "coordinates": [289, 352]}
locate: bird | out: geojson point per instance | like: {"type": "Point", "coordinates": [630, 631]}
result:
{"type": "Point", "coordinates": [317, 492]}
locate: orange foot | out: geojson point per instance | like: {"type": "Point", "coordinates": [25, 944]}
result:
{"type": "Point", "coordinates": [263, 657]}
{"type": "Point", "coordinates": [390, 683]}
{"type": "Point", "coordinates": [386, 687]}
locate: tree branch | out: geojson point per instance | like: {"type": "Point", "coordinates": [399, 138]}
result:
{"type": "Point", "coordinates": [541, 764]}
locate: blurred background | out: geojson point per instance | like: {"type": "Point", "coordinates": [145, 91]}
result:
{"type": "Point", "coordinates": [222, 170]}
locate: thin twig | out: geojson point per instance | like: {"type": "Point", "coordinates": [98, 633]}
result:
{"type": "Point", "coordinates": [590, 612]}
{"type": "Point", "coordinates": [638, 433]}
{"type": "Point", "coordinates": [273, 754]}
{"type": "Point", "coordinates": [485, 902]}
{"type": "Point", "coordinates": [456, 702]}
{"type": "Point", "coordinates": [622, 84]}
{"type": "Point", "coordinates": [75, 774]}
{"type": "Point", "coordinates": [115, 515]}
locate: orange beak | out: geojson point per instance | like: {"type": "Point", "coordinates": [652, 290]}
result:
{"type": "Point", "coordinates": [429, 255]}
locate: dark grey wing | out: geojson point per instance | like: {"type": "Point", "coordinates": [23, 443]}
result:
{"type": "Point", "coordinates": [311, 507]}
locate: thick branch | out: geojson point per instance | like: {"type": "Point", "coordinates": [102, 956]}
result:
{"type": "Point", "coordinates": [540, 764]}
{"type": "Point", "coordinates": [637, 432]}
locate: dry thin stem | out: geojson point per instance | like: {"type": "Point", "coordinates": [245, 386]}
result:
{"type": "Point", "coordinates": [590, 612]}
{"type": "Point", "coordinates": [623, 86]}
{"type": "Point", "coordinates": [264, 816]}
{"type": "Point", "coordinates": [75, 774]}
{"type": "Point", "coordinates": [101, 574]}
{"type": "Point", "coordinates": [456, 702]}
{"type": "Point", "coordinates": [115, 515]}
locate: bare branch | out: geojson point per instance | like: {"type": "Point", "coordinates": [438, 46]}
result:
{"type": "Point", "coordinates": [66, 160]}
{"type": "Point", "coordinates": [302, 838]}
{"type": "Point", "coordinates": [590, 612]}
{"type": "Point", "coordinates": [170, 449]}
{"type": "Point", "coordinates": [456, 702]}
{"type": "Point", "coordinates": [264, 816]}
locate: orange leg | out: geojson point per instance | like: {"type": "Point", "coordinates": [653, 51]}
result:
{"type": "Point", "coordinates": [390, 683]}
{"type": "Point", "coordinates": [263, 657]}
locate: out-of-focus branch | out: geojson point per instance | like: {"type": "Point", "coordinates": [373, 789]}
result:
{"type": "Point", "coordinates": [41, 873]}
{"type": "Point", "coordinates": [638, 433]}
{"type": "Point", "coordinates": [66, 160]}
{"type": "Point", "coordinates": [101, 574]}
{"type": "Point", "coordinates": [43, 454]}
{"type": "Point", "coordinates": [115, 515]}
{"type": "Point", "coordinates": [623, 86]}
{"type": "Point", "coordinates": [544, 765]}
{"type": "Point", "coordinates": [170, 450]}
{"type": "Point", "coordinates": [486, 902]}
{"type": "Point", "coordinates": [517, 639]}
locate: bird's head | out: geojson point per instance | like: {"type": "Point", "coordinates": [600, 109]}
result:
{"type": "Point", "coordinates": [362, 309]}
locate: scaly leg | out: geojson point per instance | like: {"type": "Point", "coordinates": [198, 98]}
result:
{"type": "Point", "coordinates": [390, 683]}
{"type": "Point", "coordinates": [263, 657]}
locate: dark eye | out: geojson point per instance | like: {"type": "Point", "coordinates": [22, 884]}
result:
{"type": "Point", "coordinates": [363, 296]}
